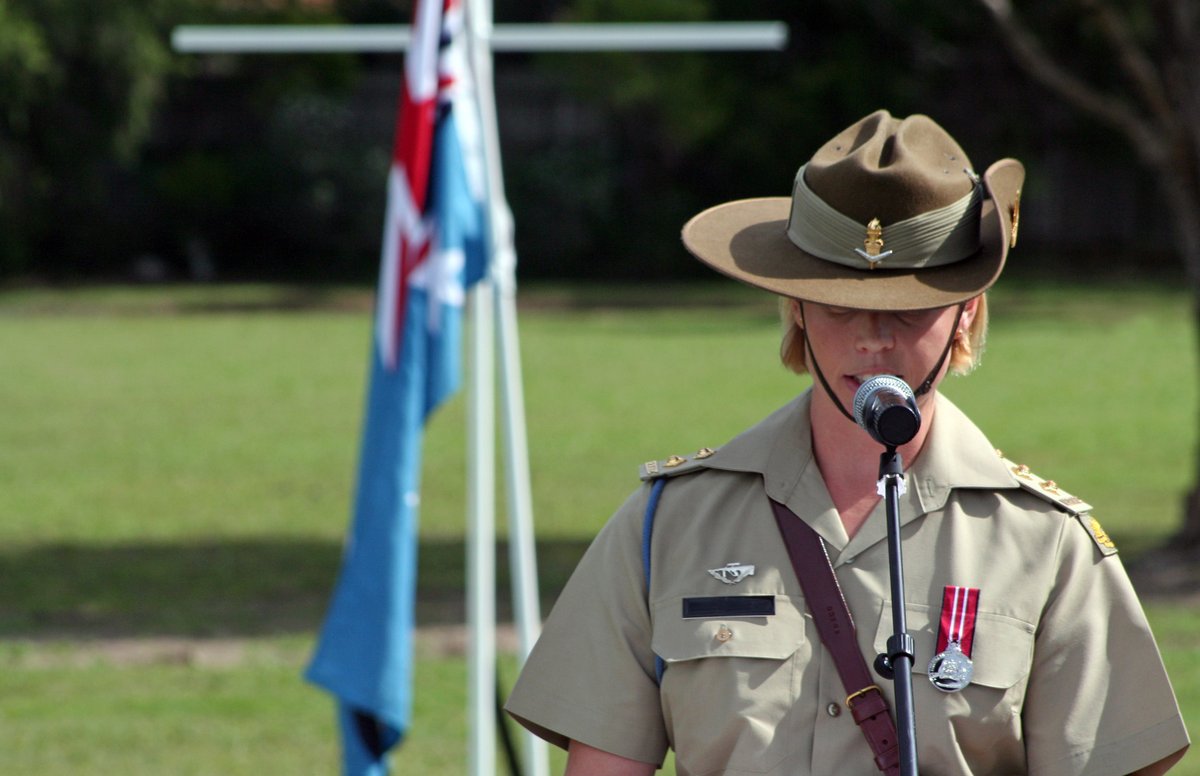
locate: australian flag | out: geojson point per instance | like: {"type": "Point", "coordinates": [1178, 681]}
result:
{"type": "Point", "coordinates": [434, 247]}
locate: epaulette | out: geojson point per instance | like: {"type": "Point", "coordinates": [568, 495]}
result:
{"type": "Point", "coordinates": [1047, 489]}
{"type": "Point", "coordinates": [1072, 505]}
{"type": "Point", "coordinates": [676, 464]}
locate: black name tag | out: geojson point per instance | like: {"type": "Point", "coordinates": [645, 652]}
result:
{"type": "Point", "coordinates": [728, 606]}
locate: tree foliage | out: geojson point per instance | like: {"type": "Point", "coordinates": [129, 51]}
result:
{"type": "Point", "coordinates": [79, 82]}
{"type": "Point", "coordinates": [1134, 67]}
{"type": "Point", "coordinates": [85, 88]}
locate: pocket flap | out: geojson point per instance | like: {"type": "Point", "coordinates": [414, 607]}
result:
{"type": "Point", "coordinates": [774, 636]}
{"type": "Point", "coordinates": [1001, 655]}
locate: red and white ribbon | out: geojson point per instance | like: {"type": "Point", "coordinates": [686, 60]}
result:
{"type": "Point", "coordinates": [960, 606]}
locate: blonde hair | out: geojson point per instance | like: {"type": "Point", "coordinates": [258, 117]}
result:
{"type": "Point", "coordinates": [964, 353]}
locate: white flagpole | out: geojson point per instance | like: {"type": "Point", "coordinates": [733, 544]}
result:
{"type": "Point", "coordinates": [521, 543]}
{"type": "Point", "coordinates": [483, 634]}
{"type": "Point", "coordinates": [481, 543]}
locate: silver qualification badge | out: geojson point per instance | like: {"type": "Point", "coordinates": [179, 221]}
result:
{"type": "Point", "coordinates": [951, 670]}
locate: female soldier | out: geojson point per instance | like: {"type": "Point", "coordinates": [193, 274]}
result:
{"type": "Point", "coordinates": [686, 625]}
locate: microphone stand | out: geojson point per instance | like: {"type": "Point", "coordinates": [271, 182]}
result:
{"type": "Point", "coordinates": [897, 663]}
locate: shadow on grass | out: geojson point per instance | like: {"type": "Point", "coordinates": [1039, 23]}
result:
{"type": "Point", "coordinates": [228, 588]}
{"type": "Point", "coordinates": [280, 587]}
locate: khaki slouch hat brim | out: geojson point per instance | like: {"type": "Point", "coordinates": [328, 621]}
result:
{"type": "Point", "coordinates": [880, 167]}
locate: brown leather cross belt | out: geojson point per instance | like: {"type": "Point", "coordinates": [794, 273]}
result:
{"type": "Point", "coordinates": [810, 560]}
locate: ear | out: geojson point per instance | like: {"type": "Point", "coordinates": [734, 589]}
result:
{"type": "Point", "coordinates": [797, 314]}
{"type": "Point", "coordinates": [968, 314]}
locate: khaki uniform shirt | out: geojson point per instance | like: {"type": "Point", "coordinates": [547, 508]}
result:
{"type": "Point", "coordinates": [1067, 677]}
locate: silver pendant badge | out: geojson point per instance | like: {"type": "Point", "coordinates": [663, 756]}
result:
{"type": "Point", "coordinates": [951, 670]}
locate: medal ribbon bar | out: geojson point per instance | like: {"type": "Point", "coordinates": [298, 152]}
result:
{"type": "Point", "coordinates": [959, 608]}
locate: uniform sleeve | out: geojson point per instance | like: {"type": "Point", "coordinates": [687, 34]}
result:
{"type": "Point", "coordinates": [590, 676]}
{"type": "Point", "coordinates": [1099, 701]}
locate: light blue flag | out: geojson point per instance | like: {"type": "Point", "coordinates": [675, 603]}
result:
{"type": "Point", "coordinates": [434, 248]}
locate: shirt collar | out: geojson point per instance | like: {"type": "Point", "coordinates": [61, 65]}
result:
{"type": "Point", "coordinates": [956, 454]}
{"type": "Point", "coordinates": [779, 447]}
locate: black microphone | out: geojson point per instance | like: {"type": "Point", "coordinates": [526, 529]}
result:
{"type": "Point", "coordinates": [886, 408]}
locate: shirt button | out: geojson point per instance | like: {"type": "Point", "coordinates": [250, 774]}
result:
{"type": "Point", "coordinates": [724, 634]}
{"type": "Point", "coordinates": [851, 559]}
{"type": "Point", "coordinates": [833, 710]}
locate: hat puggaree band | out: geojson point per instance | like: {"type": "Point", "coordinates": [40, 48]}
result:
{"type": "Point", "coordinates": [942, 236]}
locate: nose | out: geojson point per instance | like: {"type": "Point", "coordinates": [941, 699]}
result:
{"type": "Point", "coordinates": [874, 334]}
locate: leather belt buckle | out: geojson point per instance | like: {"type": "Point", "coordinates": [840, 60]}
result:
{"type": "Point", "coordinates": [852, 697]}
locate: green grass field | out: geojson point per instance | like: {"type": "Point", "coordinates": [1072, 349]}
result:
{"type": "Point", "coordinates": [176, 468]}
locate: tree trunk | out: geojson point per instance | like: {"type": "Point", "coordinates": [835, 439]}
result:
{"type": "Point", "coordinates": [1180, 185]}
{"type": "Point", "coordinates": [1188, 535]}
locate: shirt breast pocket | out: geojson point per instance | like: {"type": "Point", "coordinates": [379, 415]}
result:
{"type": "Point", "coordinates": [984, 718]}
{"type": "Point", "coordinates": [730, 680]}
{"type": "Point", "coordinates": [1001, 655]}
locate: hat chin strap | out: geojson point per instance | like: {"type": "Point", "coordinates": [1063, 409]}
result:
{"type": "Point", "coordinates": [920, 390]}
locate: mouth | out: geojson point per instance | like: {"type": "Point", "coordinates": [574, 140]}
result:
{"type": "Point", "coordinates": [854, 381]}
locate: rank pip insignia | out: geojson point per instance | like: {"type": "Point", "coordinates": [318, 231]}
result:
{"type": "Point", "coordinates": [872, 249]}
{"type": "Point", "coordinates": [951, 668]}
{"type": "Point", "coordinates": [1101, 536]}
{"type": "Point", "coordinates": [732, 573]}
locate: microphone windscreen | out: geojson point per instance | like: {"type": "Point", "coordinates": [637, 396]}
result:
{"type": "Point", "coordinates": [874, 386]}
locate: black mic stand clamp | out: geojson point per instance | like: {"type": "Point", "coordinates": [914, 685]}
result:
{"type": "Point", "coordinates": [897, 663]}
